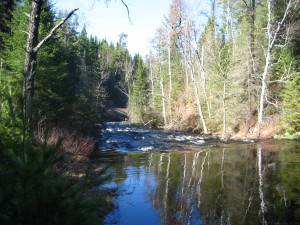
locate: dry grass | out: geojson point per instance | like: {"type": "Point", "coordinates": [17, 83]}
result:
{"type": "Point", "coordinates": [74, 148]}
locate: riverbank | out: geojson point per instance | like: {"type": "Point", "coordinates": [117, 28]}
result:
{"type": "Point", "coordinates": [237, 130]}
{"type": "Point", "coordinates": [78, 161]}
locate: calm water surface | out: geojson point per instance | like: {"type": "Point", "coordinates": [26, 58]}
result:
{"type": "Point", "coordinates": [178, 178]}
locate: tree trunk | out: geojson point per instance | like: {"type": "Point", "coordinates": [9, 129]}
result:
{"type": "Point", "coordinates": [271, 42]}
{"type": "Point", "coordinates": [170, 68]}
{"type": "Point", "coordinates": [30, 60]}
{"type": "Point", "coordinates": [185, 59]}
{"type": "Point", "coordinates": [203, 78]}
{"type": "Point", "coordinates": [170, 77]}
{"type": "Point", "coordinates": [163, 100]}
{"type": "Point", "coordinates": [198, 101]}
{"type": "Point", "coordinates": [152, 82]}
{"type": "Point", "coordinates": [224, 107]}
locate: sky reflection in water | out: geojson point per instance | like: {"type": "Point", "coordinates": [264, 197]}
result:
{"type": "Point", "coordinates": [234, 183]}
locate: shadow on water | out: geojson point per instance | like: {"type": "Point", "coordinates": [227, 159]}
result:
{"type": "Point", "coordinates": [177, 178]}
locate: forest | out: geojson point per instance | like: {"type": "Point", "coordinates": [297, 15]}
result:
{"type": "Point", "coordinates": [232, 71]}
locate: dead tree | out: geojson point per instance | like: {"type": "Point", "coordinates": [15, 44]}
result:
{"type": "Point", "coordinates": [32, 47]}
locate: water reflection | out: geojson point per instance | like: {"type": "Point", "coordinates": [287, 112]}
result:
{"type": "Point", "coordinates": [225, 184]}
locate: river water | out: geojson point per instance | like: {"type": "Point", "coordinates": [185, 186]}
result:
{"type": "Point", "coordinates": [178, 178]}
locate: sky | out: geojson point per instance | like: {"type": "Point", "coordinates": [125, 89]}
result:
{"type": "Point", "coordinates": [109, 21]}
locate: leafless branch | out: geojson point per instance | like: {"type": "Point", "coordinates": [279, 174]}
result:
{"type": "Point", "coordinates": [272, 103]}
{"type": "Point", "coordinates": [285, 76]}
{"type": "Point", "coordinates": [51, 33]}
{"type": "Point", "coordinates": [23, 31]}
{"type": "Point", "coordinates": [286, 12]}
{"type": "Point", "coordinates": [128, 14]}
{"type": "Point", "coordinates": [246, 3]}
{"type": "Point", "coordinates": [120, 88]}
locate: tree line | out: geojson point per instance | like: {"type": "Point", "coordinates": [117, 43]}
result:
{"type": "Point", "coordinates": [76, 78]}
{"type": "Point", "coordinates": [55, 84]}
{"type": "Point", "coordinates": [232, 69]}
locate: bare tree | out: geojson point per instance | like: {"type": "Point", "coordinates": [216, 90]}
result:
{"type": "Point", "coordinates": [272, 33]}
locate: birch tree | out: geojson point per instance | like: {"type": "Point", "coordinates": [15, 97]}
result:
{"type": "Point", "coordinates": [273, 31]}
{"type": "Point", "coordinates": [191, 63]}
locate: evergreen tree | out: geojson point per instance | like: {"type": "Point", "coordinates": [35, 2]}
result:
{"type": "Point", "coordinates": [7, 8]}
{"type": "Point", "coordinates": [11, 75]}
{"type": "Point", "coordinates": [138, 102]}
{"type": "Point", "coordinates": [291, 103]}
{"type": "Point", "coordinates": [55, 88]}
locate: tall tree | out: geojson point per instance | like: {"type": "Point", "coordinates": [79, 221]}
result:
{"type": "Point", "coordinates": [32, 47]}
{"type": "Point", "coordinates": [273, 32]}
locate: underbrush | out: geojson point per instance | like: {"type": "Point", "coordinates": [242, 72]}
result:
{"type": "Point", "coordinates": [74, 148]}
{"type": "Point", "coordinates": [51, 181]}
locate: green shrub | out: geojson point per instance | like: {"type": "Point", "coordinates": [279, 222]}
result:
{"type": "Point", "coordinates": [31, 192]}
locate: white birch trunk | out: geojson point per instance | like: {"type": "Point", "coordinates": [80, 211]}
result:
{"type": "Point", "coordinates": [162, 93]}
{"type": "Point", "coordinates": [271, 42]}
{"type": "Point", "coordinates": [170, 68]}
{"type": "Point", "coordinates": [198, 102]}
{"type": "Point", "coordinates": [152, 82]}
{"type": "Point", "coordinates": [185, 60]}
{"type": "Point", "coordinates": [224, 108]}
{"type": "Point", "coordinates": [204, 82]}
{"type": "Point", "coordinates": [163, 100]}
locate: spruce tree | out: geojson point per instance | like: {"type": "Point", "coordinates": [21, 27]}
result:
{"type": "Point", "coordinates": [291, 103]}
{"type": "Point", "coordinates": [139, 93]}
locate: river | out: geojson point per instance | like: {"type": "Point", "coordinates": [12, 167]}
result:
{"type": "Point", "coordinates": [179, 178]}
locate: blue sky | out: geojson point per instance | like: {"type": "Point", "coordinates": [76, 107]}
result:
{"type": "Point", "coordinates": [108, 21]}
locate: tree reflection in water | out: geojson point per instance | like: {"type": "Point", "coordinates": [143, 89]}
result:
{"type": "Point", "coordinates": [222, 184]}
